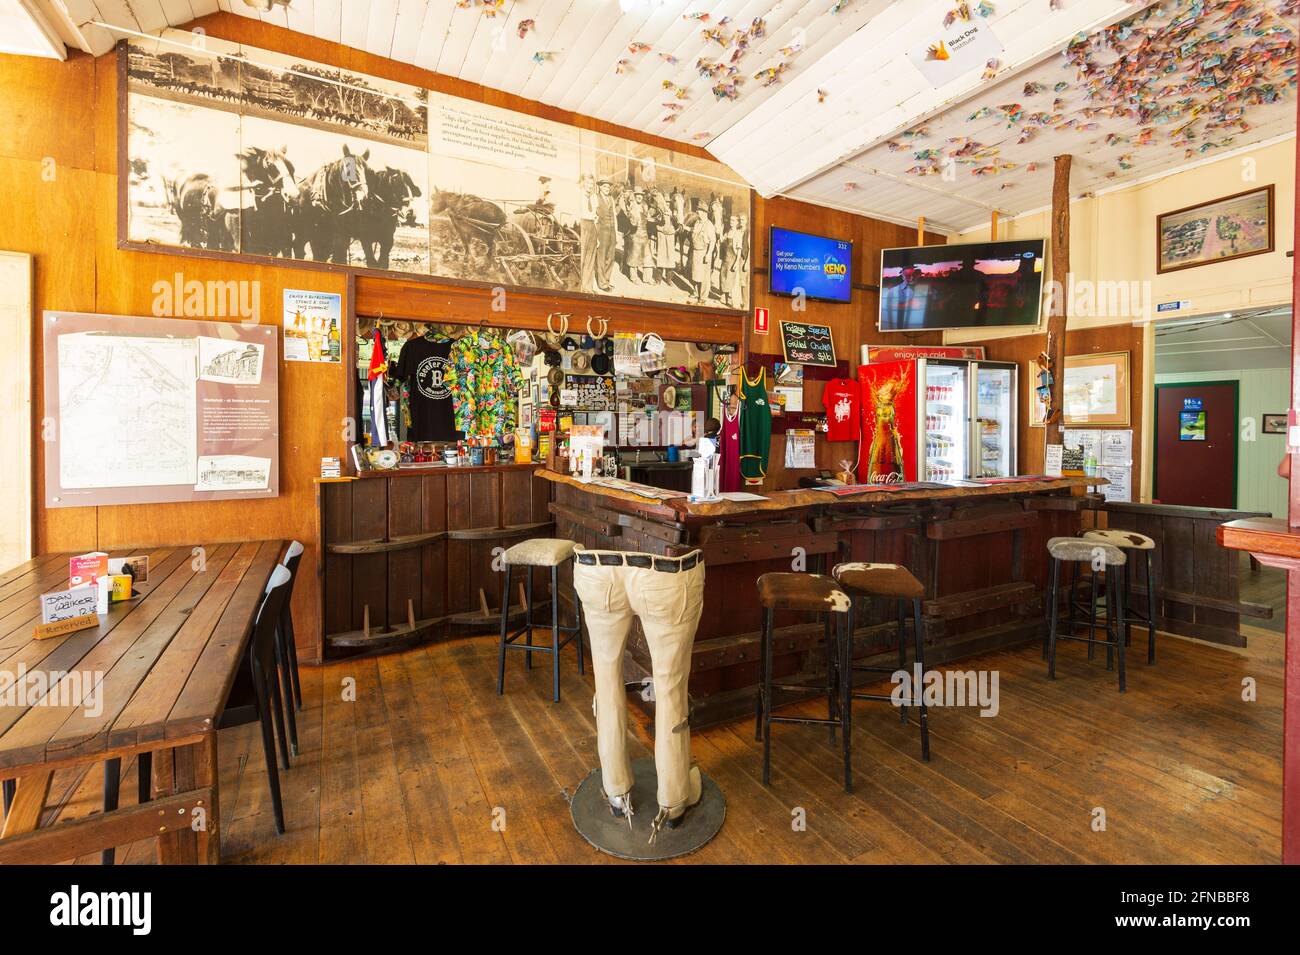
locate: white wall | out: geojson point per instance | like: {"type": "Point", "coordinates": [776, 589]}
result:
{"type": "Point", "coordinates": [1260, 391]}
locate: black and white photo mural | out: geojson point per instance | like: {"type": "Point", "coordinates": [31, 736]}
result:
{"type": "Point", "coordinates": [235, 149]}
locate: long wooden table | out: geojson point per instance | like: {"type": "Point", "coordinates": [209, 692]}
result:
{"type": "Point", "coordinates": [161, 664]}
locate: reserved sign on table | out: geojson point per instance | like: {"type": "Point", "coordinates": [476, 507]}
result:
{"type": "Point", "coordinates": [66, 611]}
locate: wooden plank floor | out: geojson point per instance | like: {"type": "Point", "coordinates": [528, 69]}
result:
{"type": "Point", "coordinates": [430, 765]}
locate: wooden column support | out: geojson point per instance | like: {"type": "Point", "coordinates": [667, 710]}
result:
{"type": "Point", "coordinates": [1056, 319]}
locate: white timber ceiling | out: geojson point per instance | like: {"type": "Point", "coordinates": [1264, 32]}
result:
{"type": "Point", "coordinates": [826, 100]}
{"type": "Point", "coordinates": [1259, 338]}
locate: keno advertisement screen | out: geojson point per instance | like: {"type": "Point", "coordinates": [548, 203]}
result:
{"type": "Point", "coordinates": [816, 266]}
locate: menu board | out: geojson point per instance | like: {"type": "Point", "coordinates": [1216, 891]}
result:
{"type": "Point", "coordinates": [806, 344]}
{"type": "Point", "coordinates": [155, 410]}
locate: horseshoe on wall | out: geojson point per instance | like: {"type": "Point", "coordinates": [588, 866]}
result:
{"type": "Point", "coordinates": [604, 327]}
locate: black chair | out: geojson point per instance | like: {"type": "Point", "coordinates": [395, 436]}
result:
{"type": "Point", "coordinates": [1099, 556]}
{"type": "Point", "coordinates": [286, 649]}
{"type": "Point", "coordinates": [809, 593]}
{"type": "Point", "coordinates": [266, 682]}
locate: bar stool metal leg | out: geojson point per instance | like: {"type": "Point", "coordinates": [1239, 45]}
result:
{"type": "Point", "coordinates": [555, 634]}
{"type": "Point", "coordinates": [505, 618]}
{"type": "Point", "coordinates": [1119, 631]}
{"type": "Point", "coordinates": [1151, 610]}
{"type": "Point", "coordinates": [830, 636]}
{"type": "Point", "coordinates": [846, 696]}
{"type": "Point", "coordinates": [1110, 614]}
{"type": "Point", "coordinates": [528, 634]}
{"type": "Point", "coordinates": [762, 672]}
{"type": "Point", "coordinates": [767, 696]}
{"type": "Point", "coordinates": [1092, 610]}
{"type": "Point", "coordinates": [920, 673]}
{"type": "Point", "coordinates": [1051, 623]}
{"type": "Point", "coordinates": [902, 650]}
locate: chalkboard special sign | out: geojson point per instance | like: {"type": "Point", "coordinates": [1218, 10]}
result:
{"type": "Point", "coordinates": [806, 344]}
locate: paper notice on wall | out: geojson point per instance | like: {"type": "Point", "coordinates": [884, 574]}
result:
{"type": "Point", "coordinates": [1116, 449]}
{"type": "Point", "coordinates": [1120, 487]}
{"type": "Point", "coordinates": [800, 448]}
{"type": "Point", "coordinates": [1052, 463]}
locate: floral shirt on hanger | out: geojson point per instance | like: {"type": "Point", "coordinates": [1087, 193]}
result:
{"type": "Point", "coordinates": [484, 380]}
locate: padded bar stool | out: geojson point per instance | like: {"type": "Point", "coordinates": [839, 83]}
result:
{"type": "Point", "coordinates": [1097, 554]}
{"type": "Point", "coordinates": [538, 552]}
{"type": "Point", "coordinates": [1133, 541]}
{"type": "Point", "coordinates": [891, 581]}
{"type": "Point", "coordinates": [808, 593]}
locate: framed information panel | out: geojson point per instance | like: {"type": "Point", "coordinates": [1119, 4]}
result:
{"type": "Point", "coordinates": [155, 410]}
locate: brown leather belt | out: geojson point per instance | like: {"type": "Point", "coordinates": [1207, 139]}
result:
{"type": "Point", "coordinates": [666, 565]}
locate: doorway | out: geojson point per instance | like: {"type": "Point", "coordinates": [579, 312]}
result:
{"type": "Point", "coordinates": [1196, 444]}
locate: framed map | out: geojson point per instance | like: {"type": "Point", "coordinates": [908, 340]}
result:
{"type": "Point", "coordinates": [1096, 392]}
{"type": "Point", "coordinates": [1229, 228]}
{"type": "Point", "coordinates": [153, 410]}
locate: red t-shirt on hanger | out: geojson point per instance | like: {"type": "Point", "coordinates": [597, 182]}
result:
{"type": "Point", "coordinates": [840, 399]}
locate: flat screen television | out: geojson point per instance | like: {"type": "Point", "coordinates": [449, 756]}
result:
{"type": "Point", "coordinates": [980, 285]}
{"type": "Point", "coordinates": [820, 267]}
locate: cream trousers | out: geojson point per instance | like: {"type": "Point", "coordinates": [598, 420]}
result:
{"type": "Point", "coordinates": [669, 606]}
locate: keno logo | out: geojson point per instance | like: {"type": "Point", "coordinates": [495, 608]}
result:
{"type": "Point", "coordinates": [833, 268]}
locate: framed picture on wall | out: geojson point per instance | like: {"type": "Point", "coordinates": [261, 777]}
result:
{"type": "Point", "coordinates": [1096, 393]}
{"type": "Point", "coordinates": [1274, 424]}
{"type": "Point", "coordinates": [1229, 228]}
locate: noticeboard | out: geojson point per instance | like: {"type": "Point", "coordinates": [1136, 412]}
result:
{"type": "Point", "coordinates": [156, 410]}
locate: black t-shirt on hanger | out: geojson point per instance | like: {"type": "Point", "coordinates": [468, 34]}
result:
{"type": "Point", "coordinates": [424, 365]}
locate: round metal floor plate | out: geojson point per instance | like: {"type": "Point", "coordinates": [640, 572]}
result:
{"type": "Point", "coordinates": [613, 835]}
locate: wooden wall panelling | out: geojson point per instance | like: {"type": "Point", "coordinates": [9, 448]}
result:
{"type": "Point", "coordinates": [1078, 341]}
{"type": "Point", "coordinates": [460, 593]}
{"type": "Point", "coordinates": [485, 511]}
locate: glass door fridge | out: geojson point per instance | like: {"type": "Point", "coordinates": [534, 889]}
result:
{"type": "Point", "coordinates": [993, 425]}
{"type": "Point", "coordinates": [946, 397]}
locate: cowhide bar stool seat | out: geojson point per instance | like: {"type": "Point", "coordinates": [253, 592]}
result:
{"type": "Point", "coordinates": [538, 552]}
{"type": "Point", "coordinates": [890, 581]}
{"type": "Point", "coordinates": [817, 594]}
{"type": "Point", "coordinates": [1099, 556]}
{"type": "Point", "coordinates": [1130, 542]}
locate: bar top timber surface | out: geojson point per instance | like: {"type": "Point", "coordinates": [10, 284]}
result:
{"type": "Point", "coordinates": [810, 497]}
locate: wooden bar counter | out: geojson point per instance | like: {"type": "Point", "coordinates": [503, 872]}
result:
{"type": "Point", "coordinates": [980, 551]}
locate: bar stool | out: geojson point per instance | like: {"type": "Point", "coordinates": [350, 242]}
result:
{"type": "Point", "coordinates": [538, 552]}
{"type": "Point", "coordinates": [1102, 556]}
{"type": "Point", "coordinates": [1133, 541]}
{"type": "Point", "coordinates": [892, 581]}
{"type": "Point", "coordinates": [809, 593]}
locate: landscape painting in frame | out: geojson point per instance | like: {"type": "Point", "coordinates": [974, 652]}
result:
{"type": "Point", "coordinates": [1229, 228]}
{"type": "Point", "coordinates": [233, 149]}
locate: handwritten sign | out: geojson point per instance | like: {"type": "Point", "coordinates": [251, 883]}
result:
{"type": "Point", "coordinates": [65, 611]}
{"type": "Point", "coordinates": [66, 604]}
{"type": "Point", "coordinates": [807, 344]}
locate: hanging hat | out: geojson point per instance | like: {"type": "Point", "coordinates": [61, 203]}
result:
{"type": "Point", "coordinates": [552, 358]}
{"type": "Point", "coordinates": [679, 375]}
{"type": "Point", "coordinates": [569, 344]}
{"type": "Point", "coordinates": [601, 363]}
{"type": "Point", "coordinates": [670, 397]}
{"type": "Point", "coordinates": [556, 377]}
{"type": "Point", "coordinates": [609, 347]}
{"type": "Point", "coordinates": [581, 361]}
